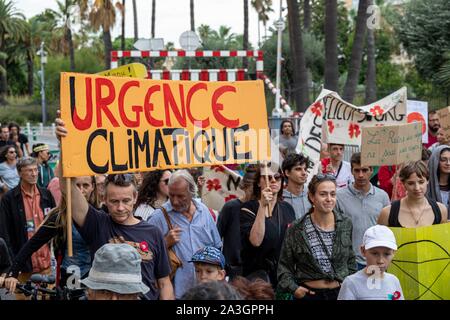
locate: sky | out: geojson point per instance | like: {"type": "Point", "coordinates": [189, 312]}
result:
{"type": "Point", "coordinates": [173, 17]}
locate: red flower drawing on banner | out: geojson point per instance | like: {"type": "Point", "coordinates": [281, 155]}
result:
{"type": "Point", "coordinates": [213, 184]}
{"type": "Point", "coordinates": [377, 111]}
{"type": "Point", "coordinates": [218, 168]}
{"type": "Point", "coordinates": [353, 130]}
{"type": "Point", "coordinates": [230, 197]}
{"type": "Point", "coordinates": [330, 126]}
{"type": "Point", "coordinates": [143, 246]}
{"type": "Point", "coordinates": [317, 109]}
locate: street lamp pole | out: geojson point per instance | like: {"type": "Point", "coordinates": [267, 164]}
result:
{"type": "Point", "coordinates": [280, 26]}
{"type": "Point", "coordinates": [43, 61]}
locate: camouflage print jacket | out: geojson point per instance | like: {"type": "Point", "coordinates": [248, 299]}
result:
{"type": "Point", "coordinates": [297, 263]}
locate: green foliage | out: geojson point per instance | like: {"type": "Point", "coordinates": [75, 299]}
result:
{"type": "Point", "coordinates": [424, 31]}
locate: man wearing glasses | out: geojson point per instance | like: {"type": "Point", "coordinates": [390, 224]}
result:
{"type": "Point", "coordinates": [22, 211]}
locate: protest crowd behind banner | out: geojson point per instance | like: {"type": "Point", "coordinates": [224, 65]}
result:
{"type": "Point", "coordinates": [219, 132]}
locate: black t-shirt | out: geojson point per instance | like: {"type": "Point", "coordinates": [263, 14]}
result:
{"type": "Point", "coordinates": [228, 226]}
{"type": "Point", "coordinates": [6, 143]}
{"type": "Point", "coordinates": [5, 257]}
{"type": "Point", "coordinates": [23, 139]}
{"type": "Point", "coordinates": [99, 229]}
{"type": "Point", "coordinates": [265, 257]}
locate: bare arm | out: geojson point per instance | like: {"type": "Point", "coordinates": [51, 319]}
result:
{"type": "Point", "coordinates": [80, 205]}
{"type": "Point", "coordinates": [383, 219]}
{"type": "Point", "coordinates": [165, 289]}
{"type": "Point", "coordinates": [259, 226]}
{"type": "Point", "coordinates": [444, 213]}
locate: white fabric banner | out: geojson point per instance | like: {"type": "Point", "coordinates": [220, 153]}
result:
{"type": "Point", "coordinates": [332, 119]}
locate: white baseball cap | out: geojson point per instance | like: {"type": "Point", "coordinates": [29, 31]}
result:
{"type": "Point", "coordinates": [379, 236]}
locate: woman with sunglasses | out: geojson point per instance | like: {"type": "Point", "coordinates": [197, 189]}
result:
{"type": "Point", "coordinates": [153, 192]}
{"type": "Point", "coordinates": [317, 252]}
{"type": "Point", "coordinates": [417, 209]}
{"type": "Point", "coordinates": [9, 177]}
{"type": "Point", "coordinates": [263, 223]}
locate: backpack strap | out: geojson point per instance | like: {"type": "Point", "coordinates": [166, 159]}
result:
{"type": "Point", "coordinates": [166, 216]}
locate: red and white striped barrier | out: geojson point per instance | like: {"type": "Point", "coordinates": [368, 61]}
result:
{"type": "Point", "coordinates": [199, 74]}
{"type": "Point", "coordinates": [202, 74]}
{"type": "Point", "coordinates": [273, 89]}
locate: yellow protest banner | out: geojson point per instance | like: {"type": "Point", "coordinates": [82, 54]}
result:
{"type": "Point", "coordinates": [129, 125]}
{"type": "Point", "coordinates": [133, 70]}
{"type": "Point", "coordinates": [422, 262]}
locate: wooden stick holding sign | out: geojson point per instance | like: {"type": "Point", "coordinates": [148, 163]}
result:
{"type": "Point", "coordinates": [266, 174]}
{"type": "Point", "coordinates": [69, 216]}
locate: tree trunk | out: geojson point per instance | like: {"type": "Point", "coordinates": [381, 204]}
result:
{"type": "Point", "coordinates": [71, 49]}
{"type": "Point", "coordinates": [192, 15]}
{"type": "Point", "coordinates": [108, 48]}
{"type": "Point", "coordinates": [371, 75]}
{"type": "Point", "coordinates": [354, 67]}
{"type": "Point", "coordinates": [30, 73]}
{"type": "Point", "coordinates": [245, 38]}
{"type": "Point", "coordinates": [153, 17]}
{"type": "Point", "coordinates": [298, 57]}
{"type": "Point", "coordinates": [122, 37]}
{"type": "Point", "coordinates": [307, 15]}
{"type": "Point", "coordinates": [331, 46]}
{"type": "Point", "coordinates": [135, 18]}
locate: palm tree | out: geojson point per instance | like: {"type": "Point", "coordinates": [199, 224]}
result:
{"type": "Point", "coordinates": [245, 38]}
{"type": "Point", "coordinates": [122, 37]}
{"type": "Point", "coordinates": [192, 15]}
{"type": "Point", "coordinates": [331, 46]}
{"type": "Point", "coordinates": [298, 56]}
{"type": "Point", "coordinates": [262, 7]}
{"type": "Point", "coordinates": [64, 17]}
{"type": "Point", "coordinates": [307, 14]}
{"type": "Point", "coordinates": [135, 19]}
{"type": "Point", "coordinates": [357, 52]}
{"type": "Point", "coordinates": [103, 15]}
{"type": "Point", "coordinates": [12, 28]}
{"type": "Point", "coordinates": [371, 75]}
{"type": "Point", "coordinates": [153, 17]}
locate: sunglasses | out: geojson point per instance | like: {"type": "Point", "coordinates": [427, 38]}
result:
{"type": "Point", "coordinates": [326, 176]}
{"type": "Point", "coordinates": [276, 176]}
{"type": "Point", "coordinates": [166, 181]}
{"type": "Point", "coordinates": [121, 178]}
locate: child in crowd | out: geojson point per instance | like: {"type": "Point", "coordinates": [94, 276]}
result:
{"type": "Point", "coordinates": [209, 264]}
{"type": "Point", "coordinates": [373, 282]}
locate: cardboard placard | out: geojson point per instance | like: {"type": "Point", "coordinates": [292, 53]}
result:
{"type": "Point", "coordinates": [391, 145]}
{"type": "Point", "coordinates": [444, 120]}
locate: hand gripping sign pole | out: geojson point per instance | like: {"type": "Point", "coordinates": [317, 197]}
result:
{"type": "Point", "coordinates": [266, 174]}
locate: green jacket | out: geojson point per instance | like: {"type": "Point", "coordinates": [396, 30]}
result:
{"type": "Point", "coordinates": [297, 263]}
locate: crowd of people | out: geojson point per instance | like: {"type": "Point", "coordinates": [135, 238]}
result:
{"type": "Point", "coordinates": [149, 236]}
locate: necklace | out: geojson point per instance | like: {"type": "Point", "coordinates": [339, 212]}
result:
{"type": "Point", "coordinates": [412, 212]}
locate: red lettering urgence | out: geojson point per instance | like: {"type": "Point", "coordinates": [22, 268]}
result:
{"type": "Point", "coordinates": [105, 96]}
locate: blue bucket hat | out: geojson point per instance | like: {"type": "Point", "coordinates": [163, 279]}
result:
{"type": "Point", "coordinates": [116, 268]}
{"type": "Point", "coordinates": [210, 255]}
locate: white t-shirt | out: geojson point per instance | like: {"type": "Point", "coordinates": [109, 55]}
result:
{"type": "Point", "coordinates": [360, 286]}
{"type": "Point", "coordinates": [344, 176]}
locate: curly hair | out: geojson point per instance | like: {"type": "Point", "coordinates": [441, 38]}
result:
{"type": "Point", "coordinates": [287, 121]}
{"type": "Point", "coordinates": [149, 188]}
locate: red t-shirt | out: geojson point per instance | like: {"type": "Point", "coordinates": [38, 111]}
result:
{"type": "Point", "coordinates": [431, 140]}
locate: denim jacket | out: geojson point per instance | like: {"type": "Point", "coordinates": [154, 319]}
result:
{"type": "Point", "coordinates": [298, 265]}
